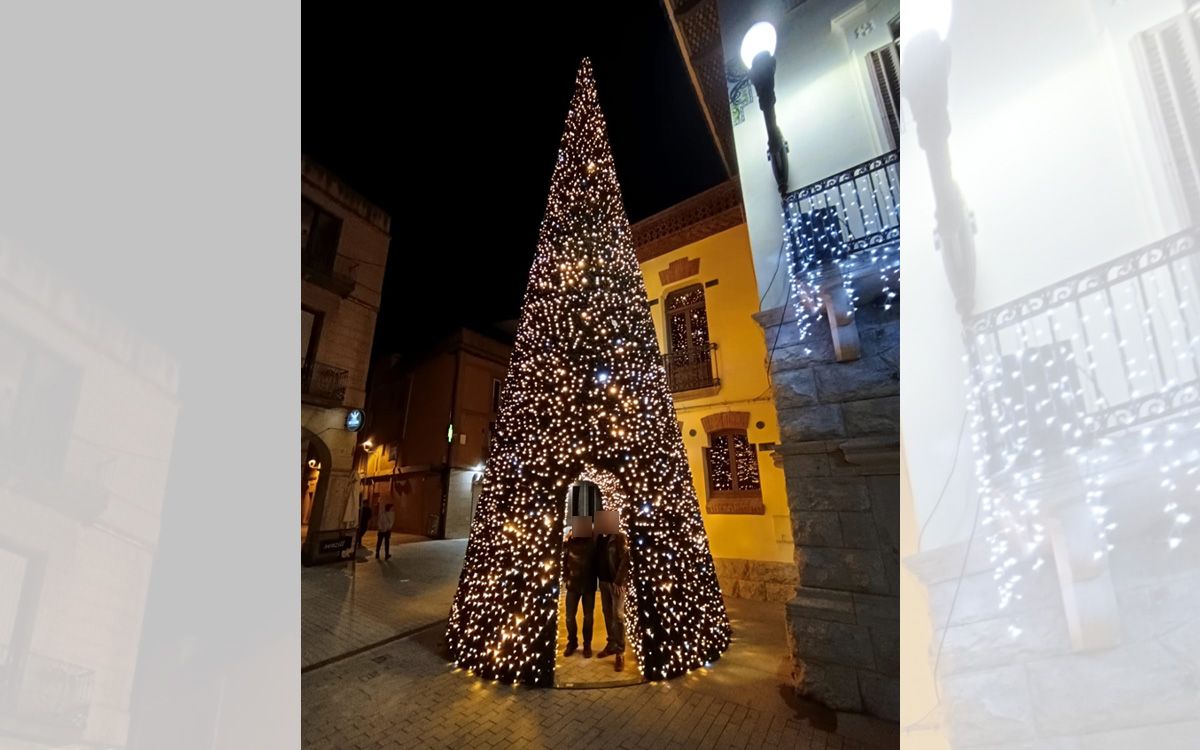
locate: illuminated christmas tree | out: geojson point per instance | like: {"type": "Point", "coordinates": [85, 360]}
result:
{"type": "Point", "coordinates": [586, 397]}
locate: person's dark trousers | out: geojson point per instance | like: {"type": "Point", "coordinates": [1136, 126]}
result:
{"type": "Point", "coordinates": [612, 601]}
{"type": "Point", "coordinates": [589, 606]}
{"type": "Point", "coordinates": [384, 539]}
{"type": "Point", "coordinates": [361, 534]}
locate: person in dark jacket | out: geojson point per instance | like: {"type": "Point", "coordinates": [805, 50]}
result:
{"type": "Point", "coordinates": [612, 568]}
{"type": "Point", "coordinates": [579, 574]}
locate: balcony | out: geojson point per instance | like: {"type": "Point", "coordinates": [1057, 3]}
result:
{"type": "Point", "coordinates": [44, 698]}
{"type": "Point", "coordinates": [691, 370]}
{"type": "Point", "coordinates": [319, 270]}
{"type": "Point", "coordinates": [842, 236]}
{"type": "Point", "coordinates": [846, 214]}
{"type": "Point", "coordinates": [1082, 412]}
{"type": "Point", "coordinates": [1099, 354]}
{"type": "Point", "coordinates": [323, 384]}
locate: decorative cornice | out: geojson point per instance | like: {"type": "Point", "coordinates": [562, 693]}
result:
{"type": "Point", "coordinates": [726, 420]}
{"type": "Point", "coordinates": [697, 29]}
{"type": "Point", "coordinates": [49, 300]}
{"type": "Point", "coordinates": [325, 181]}
{"type": "Point", "coordinates": [692, 220]}
{"type": "Point", "coordinates": [680, 269]}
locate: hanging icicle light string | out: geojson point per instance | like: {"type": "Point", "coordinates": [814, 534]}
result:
{"type": "Point", "coordinates": [1078, 388]}
{"type": "Point", "coordinates": [841, 235]}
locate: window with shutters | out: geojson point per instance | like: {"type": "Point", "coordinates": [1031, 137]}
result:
{"type": "Point", "coordinates": [497, 385]}
{"type": "Point", "coordinates": [1169, 57]}
{"type": "Point", "coordinates": [731, 467]}
{"type": "Point", "coordinates": [311, 321]}
{"type": "Point", "coordinates": [39, 398]}
{"type": "Point", "coordinates": [885, 75]}
{"type": "Point", "coordinates": [319, 234]}
{"type": "Point", "coordinates": [22, 573]}
{"type": "Point", "coordinates": [689, 352]}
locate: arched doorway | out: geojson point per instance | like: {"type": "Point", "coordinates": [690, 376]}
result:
{"type": "Point", "coordinates": [316, 463]}
{"type": "Point", "coordinates": [576, 671]}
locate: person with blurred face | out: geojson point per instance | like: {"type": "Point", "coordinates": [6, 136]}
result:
{"type": "Point", "coordinates": [612, 569]}
{"type": "Point", "coordinates": [579, 574]}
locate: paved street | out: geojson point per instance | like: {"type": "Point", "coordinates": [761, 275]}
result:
{"type": "Point", "coordinates": [404, 694]}
{"type": "Point", "coordinates": [348, 606]}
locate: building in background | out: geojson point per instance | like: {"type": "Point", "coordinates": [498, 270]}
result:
{"type": "Point", "coordinates": [88, 413]}
{"type": "Point", "coordinates": [343, 249]}
{"type": "Point", "coordinates": [430, 421]}
{"type": "Point", "coordinates": [836, 390]}
{"type": "Point", "coordinates": [695, 258]}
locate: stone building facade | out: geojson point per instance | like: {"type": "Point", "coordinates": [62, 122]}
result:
{"type": "Point", "coordinates": [344, 247]}
{"type": "Point", "coordinates": [839, 446]}
{"type": "Point", "coordinates": [1018, 676]}
{"type": "Point", "coordinates": [1097, 646]}
{"type": "Point", "coordinates": [88, 411]}
{"type": "Point", "coordinates": [837, 396]}
{"type": "Point", "coordinates": [698, 253]}
{"type": "Point", "coordinates": [431, 418]}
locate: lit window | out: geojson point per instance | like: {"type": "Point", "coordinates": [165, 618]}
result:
{"type": "Point", "coordinates": [732, 463]}
{"type": "Point", "coordinates": [689, 353]}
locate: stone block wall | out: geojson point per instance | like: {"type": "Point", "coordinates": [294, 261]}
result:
{"type": "Point", "coordinates": [1011, 678]}
{"type": "Point", "coordinates": [840, 430]}
{"type": "Point", "coordinates": [756, 579]}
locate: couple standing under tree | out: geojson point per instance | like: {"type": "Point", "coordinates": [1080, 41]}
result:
{"type": "Point", "coordinates": [603, 557]}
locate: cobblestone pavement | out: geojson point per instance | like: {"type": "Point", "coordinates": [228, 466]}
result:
{"type": "Point", "coordinates": [347, 606]}
{"type": "Point", "coordinates": [405, 694]}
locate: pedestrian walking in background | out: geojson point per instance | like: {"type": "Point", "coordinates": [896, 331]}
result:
{"type": "Point", "coordinates": [384, 527]}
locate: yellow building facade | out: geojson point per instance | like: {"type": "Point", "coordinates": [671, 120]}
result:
{"type": "Point", "coordinates": [699, 275]}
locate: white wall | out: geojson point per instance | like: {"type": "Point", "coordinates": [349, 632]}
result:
{"type": "Point", "coordinates": [1052, 149]}
{"type": "Point", "coordinates": [826, 108]}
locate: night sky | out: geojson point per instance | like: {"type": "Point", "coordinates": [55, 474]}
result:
{"type": "Point", "coordinates": [460, 149]}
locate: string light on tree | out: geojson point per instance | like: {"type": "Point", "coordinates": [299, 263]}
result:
{"type": "Point", "coordinates": [586, 397]}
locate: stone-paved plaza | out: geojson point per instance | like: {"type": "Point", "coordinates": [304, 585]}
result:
{"type": "Point", "coordinates": [349, 606]}
{"type": "Point", "coordinates": [376, 675]}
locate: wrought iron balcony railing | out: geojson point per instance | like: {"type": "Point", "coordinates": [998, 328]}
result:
{"type": "Point", "coordinates": [321, 273]}
{"type": "Point", "coordinates": [1104, 351]}
{"type": "Point", "coordinates": [845, 213]}
{"type": "Point", "coordinates": [691, 369]}
{"type": "Point", "coordinates": [323, 382]}
{"type": "Point", "coordinates": [48, 695]}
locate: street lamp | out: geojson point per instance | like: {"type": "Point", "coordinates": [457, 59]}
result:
{"type": "Point", "coordinates": [925, 60]}
{"type": "Point", "coordinates": [758, 54]}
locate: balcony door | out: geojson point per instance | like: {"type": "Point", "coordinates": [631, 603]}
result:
{"type": "Point", "coordinates": [689, 357]}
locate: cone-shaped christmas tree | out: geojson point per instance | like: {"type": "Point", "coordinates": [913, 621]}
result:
{"type": "Point", "coordinates": [586, 397]}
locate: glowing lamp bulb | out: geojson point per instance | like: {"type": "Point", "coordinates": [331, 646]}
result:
{"type": "Point", "coordinates": [759, 38]}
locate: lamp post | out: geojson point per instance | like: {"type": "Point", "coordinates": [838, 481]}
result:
{"type": "Point", "coordinates": [758, 54]}
{"type": "Point", "coordinates": [925, 60]}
